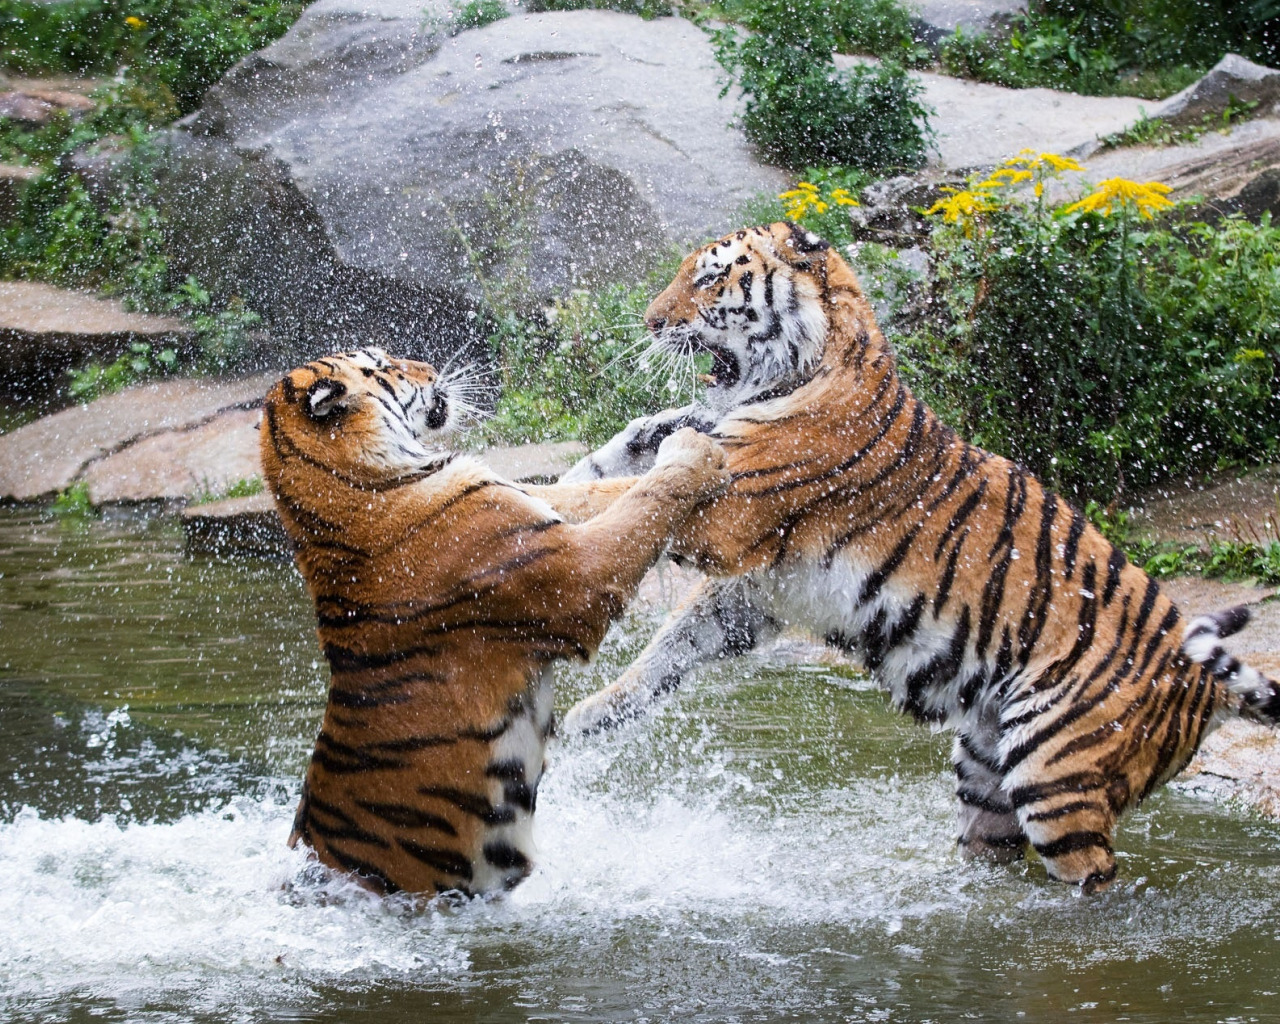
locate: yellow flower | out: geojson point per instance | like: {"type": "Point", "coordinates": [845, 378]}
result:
{"type": "Point", "coordinates": [1060, 163]}
{"type": "Point", "coordinates": [1250, 355]}
{"type": "Point", "coordinates": [135, 23]}
{"type": "Point", "coordinates": [1005, 177]}
{"type": "Point", "coordinates": [806, 198]}
{"type": "Point", "coordinates": [1121, 192]}
{"type": "Point", "coordinates": [1033, 161]}
{"type": "Point", "coordinates": [962, 205]}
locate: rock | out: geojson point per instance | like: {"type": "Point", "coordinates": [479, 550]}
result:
{"type": "Point", "coordinates": [890, 210]}
{"type": "Point", "coordinates": [1215, 167]}
{"type": "Point", "coordinates": [14, 179]}
{"type": "Point", "coordinates": [45, 330]}
{"type": "Point", "coordinates": [236, 527]}
{"type": "Point", "coordinates": [1261, 195]}
{"type": "Point", "coordinates": [1232, 505]}
{"type": "Point", "coordinates": [101, 167]}
{"type": "Point", "coordinates": [1238, 762]}
{"type": "Point", "coordinates": [978, 125]}
{"type": "Point", "coordinates": [204, 458]}
{"type": "Point", "coordinates": [1232, 80]}
{"type": "Point", "coordinates": [937, 20]}
{"type": "Point", "coordinates": [34, 107]}
{"type": "Point", "coordinates": [47, 456]}
{"type": "Point", "coordinates": [359, 178]}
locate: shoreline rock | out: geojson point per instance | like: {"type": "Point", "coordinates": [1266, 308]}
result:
{"type": "Point", "coordinates": [45, 330]}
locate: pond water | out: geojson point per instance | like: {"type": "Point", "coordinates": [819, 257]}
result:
{"type": "Point", "coordinates": [776, 844]}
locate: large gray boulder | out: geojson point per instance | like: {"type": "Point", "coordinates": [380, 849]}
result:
{"type": "Point", "coordinates": [370, 178]}
{"type": "Point", "coordinates": [1232, 79]}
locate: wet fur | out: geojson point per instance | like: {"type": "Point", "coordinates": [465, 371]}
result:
{"type": "Point", "coordinates": [443, 595]}
{"type": "Point", "coordinates": [979, 599]}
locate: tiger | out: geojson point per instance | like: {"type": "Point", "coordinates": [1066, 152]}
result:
{"type": "Point", "coordinates": [443, 596]}
{"type": "Point", "coordinates": [981, 600]}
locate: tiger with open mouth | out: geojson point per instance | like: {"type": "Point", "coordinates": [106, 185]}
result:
{"type": "Point", "coordinates": [982, 601]}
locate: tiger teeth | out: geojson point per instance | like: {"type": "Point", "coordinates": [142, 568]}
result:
{"type": "Point", "coordinates": [707, 378]}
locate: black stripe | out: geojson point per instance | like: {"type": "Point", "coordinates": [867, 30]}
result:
{"type": "Point", "coordinates": [1073, 841]}
{"type": "Point", "coordinates": [1077, 782]}
{"type": "Point", "coordinates": [983, 801]}
{"type": "Point", "coordinates": [979, 757]}
{"type": "Point", "coordinates": [447, 862]}
{"type": "Point", "coordinates": [940, 670]}
{"type": "Point", "coordinates": [342, 759]}
{"type": "Point", "coordinates": [1063, 810]}
{"type": "Point", "coordinates": [872, 585]}
{"type": "Point", "coordinates": [1116, 562]}
{"type": "Point", "coordinates": [347, 827]}
{"type": "Point", "coordinates": [948, 575]}
{"type": "Point", "coordinates": [404, 816]}
{"type": "Point", "coordinates": [505, 857]}
{"type": "Point", "coordinates": [1072, 546]}
{"type": "Point", "coordinates": [362, 868]}
{"type": "Point", "coordinates": [1035, 614]}
{"type": "Point", "coordinates": [960, 515]}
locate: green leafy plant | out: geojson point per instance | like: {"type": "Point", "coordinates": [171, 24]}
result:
{"type": "Point", "coordinates": [246, 487]}
{"type": "Point", "coordinates": [180, 47]}
{"type": "Point", "coordinates": [140, 363]}
{"type": "Point", "coordinates": [801, 110]}
{"type": "Point", "coordinates": [476, 14]}
{"type": "Point", "coordinates": [1156, 131]}
{"type": "Point", "coordinates": [573, 371]}
{"type": "Point", "coordinates": [647, 9]}
{"type": "Point", "coordinates": [1098, 345]}
{"type": "Point", "coordinates": [1148, 48]}
{"type": "Point", "coordinates": [73, 503]}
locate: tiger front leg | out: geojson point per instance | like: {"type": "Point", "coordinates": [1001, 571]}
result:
{"type": "Point", "coordinates": [609, 554]}
{"type": "Point", "coordinates": [722, 618]}
{"type": "Point", "coordinates": [633, 449]}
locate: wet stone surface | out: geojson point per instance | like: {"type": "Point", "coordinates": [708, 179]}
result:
{"type": "Point", "coordinates": [44, 330]}
{"type": "Point", "coordinates": [43, 458]}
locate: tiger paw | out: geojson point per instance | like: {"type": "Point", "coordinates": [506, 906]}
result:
{"type": "Point", "coordinates": [696, 453]}
{"type": "Point", "coordinates": [597, 713]}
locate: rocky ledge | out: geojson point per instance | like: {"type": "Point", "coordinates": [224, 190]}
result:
{"type": "Point", "coordinates": [46, 330]}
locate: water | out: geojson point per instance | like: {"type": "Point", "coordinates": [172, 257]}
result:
{"type": "Point", "coordinates": [776, 844]}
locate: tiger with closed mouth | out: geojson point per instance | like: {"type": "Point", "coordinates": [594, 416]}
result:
{"type": "Point", "coordinates": [444, 594]}
{"type": "Point", "coordinates": [982, 601]}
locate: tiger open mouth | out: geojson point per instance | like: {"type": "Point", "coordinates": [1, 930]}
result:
{"type": "Point", "coordinates": [724, 372]}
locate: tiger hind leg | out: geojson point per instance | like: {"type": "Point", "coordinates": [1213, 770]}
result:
{"type": "Point", "coordinates": [989, 827]}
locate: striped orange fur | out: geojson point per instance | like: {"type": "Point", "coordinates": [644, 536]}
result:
{"type": "Point", "coordinates": [981, 600]}
{"type": "Point", "coordinates": [443, 596]}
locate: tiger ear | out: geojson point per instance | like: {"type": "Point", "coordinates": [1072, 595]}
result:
{"type": "Point", "coordinates": [796, 245]}
{"type": "Point", "coordinates": [323, 397]}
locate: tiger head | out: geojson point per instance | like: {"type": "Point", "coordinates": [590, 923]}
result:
{"type": "Point", "coordinates": [363, 415]}
{"type": "Point", "coordinates": [753, 301]}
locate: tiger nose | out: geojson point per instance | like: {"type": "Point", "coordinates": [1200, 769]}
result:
{"type": "Point", "coordinates": [656, 323]}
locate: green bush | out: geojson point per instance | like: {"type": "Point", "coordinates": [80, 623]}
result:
{"type": "Point", "coordinates": [182, 46]}
{"type": "Point", "coordinates": [575, 371]}
{"type": "Point", "coordinates": [884, 28]}
{"type": "Point", "coordinates": [1100, 348]}
{"type": "Point", "coordinates": [647, 9]}
{"type": "Point", "coordinates": [1148, 48]}
{"type": "Point", "coordinates": [801, 110]}
{"type": "Point", "coordinates": [477, 14]}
